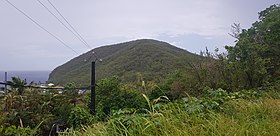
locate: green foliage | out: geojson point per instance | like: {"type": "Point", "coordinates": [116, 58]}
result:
{"type": "Point", "coordinates": [18, 84]}
{"type": "Point", "coordinates": [196, 116]}
{"type": "Point", "coordinates": [111, 96]}
{"type": "Point", "coordinates": [17, 131]}
{"type": "Point", "coordinates": [254, 60]}
{"type": "Point", "coordinates": [62, 112]}
{"type": "Point", "coordinates": [30, 108]}
{"type": "Point", "coordinates": [78, 117]}
{"type": "Point", "coordinates": [72, 93]}
{"type": "Point", "coordinates": [153, 59]}
{"type": "Point", "coordinates": [70, 89]}
{"type": "Point", "coordinates": [177, 85]}
{"type": "Point", "coordinates": [35, 106]}
{"type": "Point", "coordinates": [204, 90]}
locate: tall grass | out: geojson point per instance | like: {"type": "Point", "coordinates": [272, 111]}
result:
{"type": "Point", "coordinates": [237, 117]}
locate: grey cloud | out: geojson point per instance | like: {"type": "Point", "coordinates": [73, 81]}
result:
{"type": "Point", "coordinates": [109, 21]}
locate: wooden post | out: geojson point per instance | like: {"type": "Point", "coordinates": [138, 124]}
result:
{"type": "Point", "coordinates": [92, 100]}
{"type": "Point", "coordinates": [6, 91]}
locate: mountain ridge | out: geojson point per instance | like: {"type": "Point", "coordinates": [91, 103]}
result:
{"type": "Point", "coordinates": [151, 58]}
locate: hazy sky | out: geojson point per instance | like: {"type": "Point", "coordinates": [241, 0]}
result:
{"type": "Point", "coordinates": [188, 24]}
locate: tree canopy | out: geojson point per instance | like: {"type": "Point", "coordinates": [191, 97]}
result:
{"type": "Point", "coordinates": [257, 50]}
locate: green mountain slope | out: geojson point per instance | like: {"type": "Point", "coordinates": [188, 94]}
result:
{"type": "Point", "coordinates": [152, 59]}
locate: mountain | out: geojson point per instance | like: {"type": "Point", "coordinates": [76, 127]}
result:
{"type": "Point", "coordinates": [153, 59]}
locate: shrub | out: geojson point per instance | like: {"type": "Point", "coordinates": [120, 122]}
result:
{"type": "Point", "coordinates": [79, 116]}
{"type": "Point", "coordinates": [112, 96]}
{"type": "Point", "coordinates": [17, 131]}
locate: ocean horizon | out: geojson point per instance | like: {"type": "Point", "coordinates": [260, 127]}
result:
{"type": "Point", "coordinates": [35, 76]}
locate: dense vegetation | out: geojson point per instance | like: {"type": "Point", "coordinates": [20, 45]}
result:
{"type": "Point", "coordinates": [233, 93]}
{"type": "Point", "coordinates": [216, 113]}
{"type": "Point", "coordinates": [152, 59]}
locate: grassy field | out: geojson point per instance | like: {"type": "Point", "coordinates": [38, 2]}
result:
{"type": "Point", "coordinates": [234, 116]}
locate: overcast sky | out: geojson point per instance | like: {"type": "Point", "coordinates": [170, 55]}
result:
{"type": "Point", "coordinates": [188, 24]}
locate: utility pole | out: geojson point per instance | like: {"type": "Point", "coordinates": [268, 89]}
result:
{"type": "Point", "coordinates": [6, 91]}
{"type": "Point", "coordinates": [92, 100]}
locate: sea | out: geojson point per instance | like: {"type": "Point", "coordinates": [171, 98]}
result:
{"type": "Point", "coordinates": [29, 76]}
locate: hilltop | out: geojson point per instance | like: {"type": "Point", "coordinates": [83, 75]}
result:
{"type": "Point", "coordinates": [151, 59]}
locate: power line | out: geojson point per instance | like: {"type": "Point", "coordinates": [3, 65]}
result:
{"type": "Point", "coordinates": [94, 54]}
{"type": "Point", "coordinates": [69, 24]}
{"type": "Point", "coordinates": [61, 21]}
{"type": "Point", "coordinates": [96, 57]}
{"type": "Point", "coordinates": [41, 26]}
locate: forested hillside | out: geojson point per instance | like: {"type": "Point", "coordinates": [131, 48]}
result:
{"type": "Point", "coordinates": [151, 59]}
{"type": "Point", "coordinates": [176, 93]}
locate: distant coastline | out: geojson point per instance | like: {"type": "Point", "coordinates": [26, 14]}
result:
{"type": "Point", "coordinates": [35, 76]}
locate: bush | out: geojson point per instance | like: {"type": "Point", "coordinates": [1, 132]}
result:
{"type": "Point", "coordinates": [112, 96]}
{"type": "Point", "coordinates": [17, 131]}
{"type": "Point", "coordinates": [79, 116]}
{"type": "Point", "coordinates": [63, 111]}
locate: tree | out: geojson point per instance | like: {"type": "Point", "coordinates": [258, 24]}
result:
{"type": "Point", "coordinates": [235, 31]}
{"type": "Point", "coordinates": [72, 93]}
{"type": "Point", "coordinates": [18, 84]}
{"type": "Point", "coordinates": [268, 34]}
{"type": "Point", "coordinates": [256, 53]}
{"type": "Point", "coordinates": [111, 95]}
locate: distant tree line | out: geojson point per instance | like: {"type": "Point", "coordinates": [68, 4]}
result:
{"type": "Point", "coordinates": [252, 63]}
